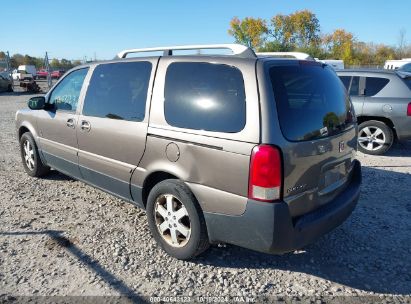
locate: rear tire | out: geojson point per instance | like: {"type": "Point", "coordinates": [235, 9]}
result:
{"type": "Point", "coordinates": [30, 156]}
{"type": "Point", "coordinates": [176, 220]}
{"type": "Point", "coordinates": [374, 137]}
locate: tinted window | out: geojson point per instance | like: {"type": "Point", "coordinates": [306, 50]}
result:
{"type": "Point", "coordinates": [311, 101]}
{"type": "Point", "coordinates": [65, 96]}
{"type": "Point", "coordinates": [355, 86]}
{"type": "Point", "coordinates": [408, 82]}
{"type": "Point", "coordinates": [205, 96]}
{"type": "Point", "coordinates": [373, 85]}
{"type": "Point", "coordinates": [346, 81]}
{"type": "Point", "coordinates": [406, 68]}
{"type": "Point", "coordinates": [118, 91]}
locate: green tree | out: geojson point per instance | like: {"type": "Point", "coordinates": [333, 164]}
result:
{"type": "Point", "coordinates": [55, 63]}
{"type": "Point", "coordinates": [300, 30]}
{"type": "Point", "coordinates": [249, 31]}
{"type": "Point", "coordinates": [384, 53]}
{"type": "Point", "coordinates": [65, 64]}
{"type": "Point", "coordinates": [76, 63]}
{"type": "Point", "coordinates": [16, 60]}
{"type": "Point", "coordinates": [28, 60]}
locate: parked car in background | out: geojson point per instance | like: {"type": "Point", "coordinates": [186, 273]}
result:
{"type": "Point", "coordinates": [21, 75]}
{"type": "Point", "coordinates": [255, 152]}
{"type": "Point", "coordinates": [57, 74]}
{"type": "Point", "coordinates": [382, 102]}
{"type": "Point", "coordinates": [405, 68]}
{"type": "Point", "coordinates": [42, 74]}
{"type": "Point", "coordinates": [6, 82]}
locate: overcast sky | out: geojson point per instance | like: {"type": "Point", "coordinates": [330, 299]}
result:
{"type": "Point", "coordinates": [74, 29]}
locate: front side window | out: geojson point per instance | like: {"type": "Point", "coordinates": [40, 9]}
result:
{"type": "Point", "coordinates": [118, 91]}
{"type": "Point", "coordinates": [373, 85]}
{"type": "Point", "coordinates": [66, 95]}
{"type": "Point", "coordinates": [205, 96]}
{"type": "Point", "coordinates": [346, 81]}
{"type": "Point", "coordinates": [355, 86]}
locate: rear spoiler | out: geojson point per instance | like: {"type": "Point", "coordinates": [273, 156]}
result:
{"type": "Point", "coordinates": [403, 75]}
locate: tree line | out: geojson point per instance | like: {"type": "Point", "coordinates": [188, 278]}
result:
{"type": "Point", "coordinates": [19, 59]}
{"type": "Point", "coordinates": [301, 31]}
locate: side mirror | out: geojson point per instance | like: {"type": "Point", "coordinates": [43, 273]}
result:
{"type": "Point", "coordinates": [37, 103]}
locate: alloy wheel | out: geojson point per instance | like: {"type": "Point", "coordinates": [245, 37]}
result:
{"type": "Point", "coordinates": [28, 155]}
{"type": "Point", "coordinates": [172, 220]}
{"type": "Point", "coordinates": [371, 138]}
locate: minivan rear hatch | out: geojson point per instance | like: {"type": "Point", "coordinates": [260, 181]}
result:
{"type": "Point", "coordinates": [317, 122]}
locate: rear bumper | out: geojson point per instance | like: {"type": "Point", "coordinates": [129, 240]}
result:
{"type": "Point", "coordinates": [403, 128]}
{"type": "Point", "coordinates": [270, 228]}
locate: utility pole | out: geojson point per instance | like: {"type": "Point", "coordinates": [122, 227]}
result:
{"type": "Point", "coordinates": [8, 67]}
{"type": "Point", "coordinates": [47, 65]}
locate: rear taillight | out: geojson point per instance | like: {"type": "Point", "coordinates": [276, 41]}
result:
{"type": "Point", "coordinates": [409, 109]}
{"type": "Point", "coordinates": [265, 174]}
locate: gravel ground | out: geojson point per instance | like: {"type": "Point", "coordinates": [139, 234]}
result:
{"type": "Point", "coordinates": [60, 237]}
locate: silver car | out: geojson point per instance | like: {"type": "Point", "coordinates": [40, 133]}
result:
{"type": "Point", "coordinates": [382, 102]}
{"type": "Point", "coordinates": [256, 152]}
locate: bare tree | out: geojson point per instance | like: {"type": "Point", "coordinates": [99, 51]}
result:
{"type": "Point", "coordinates": [402, 42]}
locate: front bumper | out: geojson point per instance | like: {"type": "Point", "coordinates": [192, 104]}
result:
{"type": "Point", "coordinates": [269, 227]}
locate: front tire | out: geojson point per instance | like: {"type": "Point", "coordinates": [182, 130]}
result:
{"type": "Point", "coordinates": [374, 137]}
{"type": "Point", "coordinates": [30, 156]}
{"type": "Point", "coordinates": [10, 88]}
{"type": "Point", "coordinates": [176, 220]}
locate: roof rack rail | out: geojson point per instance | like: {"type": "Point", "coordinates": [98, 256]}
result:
{"type": "Point", "coordinates": [237, 50]}
{"type": "Point", "coordinates": [297, 55]}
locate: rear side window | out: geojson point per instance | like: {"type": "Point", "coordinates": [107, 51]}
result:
{"type": "Point", "coordinates": [118, 91]}
{"type": "Point", "coordinates": [311, 101]}
{"type": "Point", "coordinates": [373, 85]}
{"type": "Point", "coordinates": [205, 96]}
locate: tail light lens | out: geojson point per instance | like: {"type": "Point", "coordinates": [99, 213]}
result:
{"type": "Point", "coordinates": [409, 109]}
{"type": "Point", "coordinates": [265, 179]}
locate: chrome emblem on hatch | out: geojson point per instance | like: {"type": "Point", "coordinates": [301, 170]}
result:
{"type": "Point", "coordinates": [341, 146]}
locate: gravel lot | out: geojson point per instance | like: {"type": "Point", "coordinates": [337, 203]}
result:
{"type": "Point", "coordinates": [61, 237]}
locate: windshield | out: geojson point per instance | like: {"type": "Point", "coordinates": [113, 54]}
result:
{"type": "Point", "coordinates": [311, 101]}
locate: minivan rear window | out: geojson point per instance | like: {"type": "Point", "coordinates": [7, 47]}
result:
{"type": "Point", "coordinates": [311, 101]}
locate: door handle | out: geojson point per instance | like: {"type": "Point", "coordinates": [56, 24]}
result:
{"type": "Point", "coordinates": [70, 123]}
{"type": "Point", "coordinates": [85, 126]}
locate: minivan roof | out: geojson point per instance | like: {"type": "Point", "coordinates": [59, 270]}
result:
{"type": "Point", "coordinates": [382, 71]}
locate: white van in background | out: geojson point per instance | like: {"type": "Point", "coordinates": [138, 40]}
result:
{"type": "Point", "coordinates": [25, 69]}
{"type": "Point", "coordinates": [396, 64]}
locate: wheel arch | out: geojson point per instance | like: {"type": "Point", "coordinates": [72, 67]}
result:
{"type": "Point", "coordinates": [153, 179]}
{"type": "Point", "coordinates": [27, 127]}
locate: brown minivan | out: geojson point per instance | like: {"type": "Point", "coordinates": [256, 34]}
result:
{"type": "Point", "coordinates": [235, 148]}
